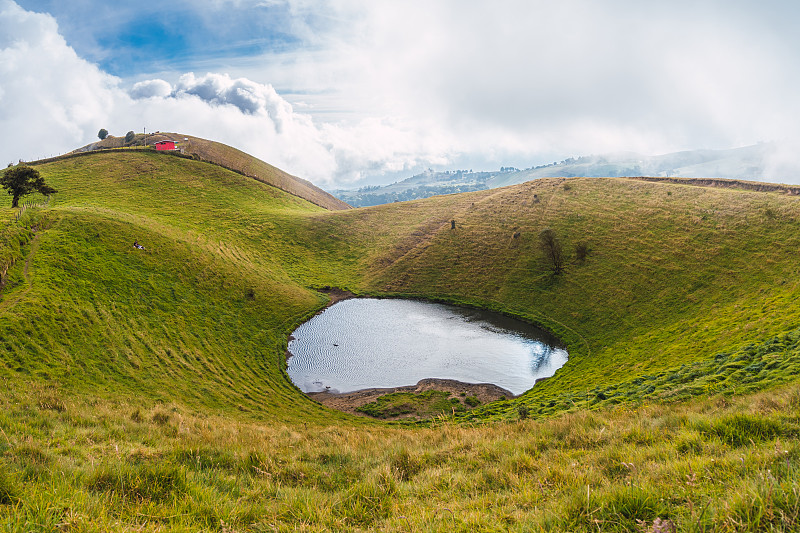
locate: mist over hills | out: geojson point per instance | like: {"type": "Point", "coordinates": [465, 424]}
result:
{"type": "Point", "coordinates": [761, 162]}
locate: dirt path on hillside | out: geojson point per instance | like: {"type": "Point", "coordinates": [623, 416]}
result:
{"type": "Point", "coordinates": [6, 304]}
{"type": "Point", "coordinates": [34, 249]}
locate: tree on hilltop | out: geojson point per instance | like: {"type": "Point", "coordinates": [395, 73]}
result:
{"type": "Point", "coordinates": [129, 137]}
{"type": "Point", "coordinates": [21, 181]}
{"type": "Point", "coordinates": [102, 134]}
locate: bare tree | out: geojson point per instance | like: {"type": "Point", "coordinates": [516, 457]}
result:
{"type": "Point", "coordinates": [551, 247]}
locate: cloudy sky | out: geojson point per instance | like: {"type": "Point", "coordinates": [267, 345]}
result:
{"type": "Point", "coordinates": [351, 92]}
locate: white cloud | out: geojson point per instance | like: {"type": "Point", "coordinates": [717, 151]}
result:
{"type": "Point", "coordinates": [532, 79]}
{"type": "Point", "coordinates": [680, 76]}
{"type": "Point", "coordinates": [246, 95]}
{"type": "Point", "coordinates": [257, 119]}
{"type": "Point", "coordinates": [50, 97]}
{"type": "Point", "coordinates": [388, 87]}
{"type": "Point", "coordinates": [53, 101]}
{"type": "Point", "coordinates": [782, 162]}
{"type": "Point", "coordinates": [151, 89]}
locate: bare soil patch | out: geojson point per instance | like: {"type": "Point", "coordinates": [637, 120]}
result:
{"type": "Point", "coordinates": [336, 294]}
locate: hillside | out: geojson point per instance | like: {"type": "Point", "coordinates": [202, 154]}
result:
{"type": "Point", "coordinates": [146, 389]}
{"type": "Point", "coordinates": [233, 159]}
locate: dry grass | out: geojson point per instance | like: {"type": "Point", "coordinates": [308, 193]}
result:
{"type": "Point", "coordinates": [616, 470]}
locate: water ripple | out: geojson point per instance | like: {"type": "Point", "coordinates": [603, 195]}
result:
{"type": "Point", "coordinates": [362, 343]}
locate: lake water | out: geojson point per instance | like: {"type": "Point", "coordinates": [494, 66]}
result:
{"type": "Point", "coordinates": [363, 343]}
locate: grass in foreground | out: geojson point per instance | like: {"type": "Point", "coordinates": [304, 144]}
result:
{"type": "Point", "coordinates": [720, 464]}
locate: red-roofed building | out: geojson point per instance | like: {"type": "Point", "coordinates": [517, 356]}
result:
{"type": "Point", "coordinates": [165, 145]}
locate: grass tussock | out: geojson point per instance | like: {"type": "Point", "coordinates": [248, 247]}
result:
{"type": "Point", "coordinates": [740, 429]}
{"type": "Point", "coordinates": [138, 482]}
{"type": "Point", "coordinates": [8, 487]}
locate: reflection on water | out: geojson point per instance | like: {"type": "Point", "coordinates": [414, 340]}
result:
{"type": "Point", "coordinates": [363, 343]}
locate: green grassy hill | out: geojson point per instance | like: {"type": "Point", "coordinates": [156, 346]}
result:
{"type": "Point", "coordinates": [146, 390]}
{"type": "Point", "coordinates": [674, 274]}
{"type": "Point", "coordinates": [230, 158]}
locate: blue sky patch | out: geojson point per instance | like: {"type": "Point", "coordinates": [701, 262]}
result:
{"type": "Point", "coordinates": [130, 40]}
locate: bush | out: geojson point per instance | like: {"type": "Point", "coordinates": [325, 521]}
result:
{"type": "Point", "coordinates": [581, 251]}
{"type": "Point", "coordinates": [551, 246]}
{"type": "Point", "coordinates": [424, 404]}
{"type": "Point", "coordinates": [405, 465]}
{"type": "Point", "coordinates": [365, 503]}
{"type": "Point", "coordinates": [52, 402]}
{"type": "Point", "coordinates": [630, 506]}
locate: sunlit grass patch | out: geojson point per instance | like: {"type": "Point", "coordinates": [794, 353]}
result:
{"type": "Point", "coordinates": [740, 429]}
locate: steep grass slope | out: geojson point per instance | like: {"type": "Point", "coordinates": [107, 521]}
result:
{"type": "Point", "coordinates": [200, 314]}
{"type": "Point", "coordinates": [144, 389]}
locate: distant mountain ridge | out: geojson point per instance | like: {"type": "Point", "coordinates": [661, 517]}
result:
{"type": "Point", "coordinates": [760, 162]}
